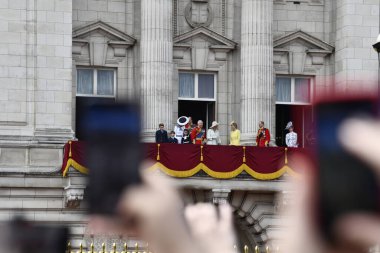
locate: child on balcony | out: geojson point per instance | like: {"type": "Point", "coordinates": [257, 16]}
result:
{"type": "Point", "coordinates": [186, 137]}
{"type": "Point", "coordinates": [172, 138]}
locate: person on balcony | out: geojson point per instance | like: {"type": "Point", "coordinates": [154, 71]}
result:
{"type": "Point", "coordinates": [179, 127]}
{"type": "Point", "coordinates": [198, 134]}
{"type": "Point", "coordinates": [213, 137]}
{"type": "Point", "coordinates": [263, 136]}
{"type": "Point", "coordinates": [235, 134]}
{"type": "Point", "coordinates": [186, 137]}
{"type": "Point", "coordinates": [161, 134]}
{"type": "Point", "coordinates": [172, 138]}
{"type": "Point", "coordinates": [291, 137]}
{"type": "Point", "coordinates": [189, 126]}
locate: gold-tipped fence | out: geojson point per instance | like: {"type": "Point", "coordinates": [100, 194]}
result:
{"type": "Point", "coordinates": [114, 249]}
{"type": "Point", "coordinates": [137, 249]}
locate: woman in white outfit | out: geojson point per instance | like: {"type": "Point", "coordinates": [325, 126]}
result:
{"type": "Point", "coordinates": [291, 137]}
{"type": "Point", "coordinates": [213, 137]}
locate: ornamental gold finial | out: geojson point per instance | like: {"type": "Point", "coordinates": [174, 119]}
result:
{"type": "Point", "coordinates": [91, 248]}
{"type": "Point", "coordinates": [103, 248]}
{"type": "Point", "coordinates": [245, 249]}
{"type": "Point", "coordinates": [125, 248]}
{"type": "Point", "coordinates": [136, 247]}
{"type": "Point", "coordinates": [114, 247]}
{"type": "Point", "coordinates": [80, 248]}
{"type": "Point", "coordinates": [267, 249]}
{"type": "Point", "coordinates": [257, 249]}
{"type": "Point", "coordinates": [69, 247]}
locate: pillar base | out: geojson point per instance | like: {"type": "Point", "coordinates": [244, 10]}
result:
{"type": "Point", "coordinates": [248, 139]}
{"type": "Point", "coordinates": [148, 136]}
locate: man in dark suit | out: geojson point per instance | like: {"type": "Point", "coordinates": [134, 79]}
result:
{"type": "Point", "coordinates": [161, 134]}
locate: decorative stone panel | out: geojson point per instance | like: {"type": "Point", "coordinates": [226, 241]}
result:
{"type": "Point", "coordinates": [198, 13]}
{"type": "Point", "coordinates": [299, 53]}
{"type": "Point", "coordinates": [99, 44]}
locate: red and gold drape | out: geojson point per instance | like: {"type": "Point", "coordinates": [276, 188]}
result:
{"type": "Point", "coordinates": [221, 162]}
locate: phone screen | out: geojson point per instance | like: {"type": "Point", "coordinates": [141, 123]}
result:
{"type": "Point", "coordinates": [346, 184]}
{"type": "Point", "coordinates": [113, 153]}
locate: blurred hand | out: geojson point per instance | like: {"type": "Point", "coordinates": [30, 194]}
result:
{"type": "Point", "coordinates": [212, 233]}
{"type": "Point", "coordinates": [362, 230]}
{"type": "Point", "coordinates": [158, 212]}
{"type": "Point", "coordinates": [355, 232]}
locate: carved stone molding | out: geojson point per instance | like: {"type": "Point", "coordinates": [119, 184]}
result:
{"type": "Point", "coordinates": [53, 135]}
{"type": "Point", "coordinates": [220, 196]}
{"type": "Point", "coordinates": [74, 191]}
{"type": "Point", "coordinates": [175, 17]}
{"type": "Point", "coordinates": [100, 44]}
{"type": "Point", "coordinates": [197, 19]}
{"type": "Point", "coordinates": [299, 53]}
{"type": "Point", "coordinates": [74, 195]}
{"type": "Point", "coordinates": [310, 2]}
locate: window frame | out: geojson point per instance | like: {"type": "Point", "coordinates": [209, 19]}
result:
{"type": "Point", "coordinates": [196, 83]}
{"type": "Point", "coordinates": [95, 84]}
{"type": "Point", "coordinates": [292, 90]}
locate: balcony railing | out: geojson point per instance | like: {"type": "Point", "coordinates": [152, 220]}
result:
{"type": "Point", "coordinates": [222, 162]}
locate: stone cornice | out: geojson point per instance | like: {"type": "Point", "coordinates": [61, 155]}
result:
{"type": "Point", "coordinates": [315, 42]}
{"type": "Point", "coordinates": [221, 40]}
{"type": "Point", "coordinates": [81, 32]}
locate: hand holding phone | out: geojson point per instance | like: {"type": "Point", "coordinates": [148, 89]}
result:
{"type": "Point", "coordinates": [113, 153]}
{"type": "Point", "coordinates": [346, 185]}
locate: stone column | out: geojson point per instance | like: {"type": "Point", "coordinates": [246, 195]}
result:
{"type": "Point", "coordinates": [256, 68]}
{"type": "Point", "coordinates": [156, 65]}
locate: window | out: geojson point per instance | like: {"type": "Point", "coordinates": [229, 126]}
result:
{"type": "Point", "coordinates": [96, 82]}
{"type": "Point", "coordinates": [293, 90]}
{"type": "Point", "coordinates": [293, 103]}
{"type": "Point", "coordinates": [195, 86]}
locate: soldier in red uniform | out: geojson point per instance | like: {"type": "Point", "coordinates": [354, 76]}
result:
{"type": "Point", "coordinates": [198, 134]}
{"type": "Point", "coordinates": [263, 136]}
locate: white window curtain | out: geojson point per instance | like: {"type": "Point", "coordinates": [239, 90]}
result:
{"type": "Point", "coordinates": [85, 81]}
{"type": "Point", "coordinates": [186, 85]}
{"type": "Point", "coordinates": [302, 90]}
{"type": "Point", "coordinates": [206, 86]}
{"type": "Point", "coordinates": [105, 82]}
{"type": "Point", "coordinates": [283, 89]}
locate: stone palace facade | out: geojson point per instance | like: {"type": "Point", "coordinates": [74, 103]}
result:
{"type": "Point", "coordinates": [224, 60]}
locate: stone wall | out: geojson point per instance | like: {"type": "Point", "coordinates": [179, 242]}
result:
{"type": "Point", "coordinates": [35, 67]}
{"type": "Point", "coordinates": [357, 27]}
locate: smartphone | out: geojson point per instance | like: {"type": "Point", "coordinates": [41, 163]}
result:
{"type": "Point", "coordinates": [345, 183]}
{"type": "Point", "coordinates": [112, 153]}
{"type": "Point", "coordinates": [21, 236]}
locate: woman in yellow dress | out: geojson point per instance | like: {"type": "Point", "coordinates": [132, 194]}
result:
{"type": "Point", "coordinates": [235, 134]}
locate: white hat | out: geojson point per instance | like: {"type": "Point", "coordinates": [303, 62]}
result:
{"type": "Point", "coordinates": [183, 120]}
{"type": "Point", "coordinates": [214, 124]}
{"type": "Point", "coordinates": [289, 125]}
